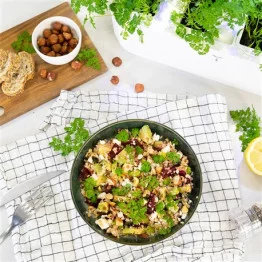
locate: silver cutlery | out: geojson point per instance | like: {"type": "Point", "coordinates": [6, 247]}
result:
{"type": "Point", "coordinates": [27, 208]}
{"type": "Point", "coordinates": [29, 184]}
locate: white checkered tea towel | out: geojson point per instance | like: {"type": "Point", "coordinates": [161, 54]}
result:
{"type": "Point", "coordinates": [58, 233]}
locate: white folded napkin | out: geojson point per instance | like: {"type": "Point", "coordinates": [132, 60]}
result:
{"type": "Point", "coordinates": [58, 233]}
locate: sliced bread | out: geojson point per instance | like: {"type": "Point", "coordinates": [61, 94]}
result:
{"type": "Point", "coordinates": [17, 77]}
{"type": "Point", "coordinates": [12, 60]}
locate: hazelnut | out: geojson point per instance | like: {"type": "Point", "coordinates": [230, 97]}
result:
{"type": "Point", "coordinates": [51, 53]}
{"type": "Point", "coordinates": [58, 54]}
{"type": "Point", "coordinates": [65, 43]}
{"type": "Point", "coordinates": [114, 80]}
{"type": "Point", "coordinates": [47, 32]}
{"type": "Point", "coordinates": [139, 88]}
{"type": "Point", "coordinates": [45, 49]}
{"type": "Point", "coordinates": [55, 32]}
{"type": "Point", "coordinates": [63, 49]}
{"type": "Point", "coordinates": [51, 76]}
{"type": "Point", "coordinates": [57, 26]}
{"type": "Point", "coordinates": [65, 28]}
{"type": "Point", "coordinates": [67, 36]}
{"type": "Point", "coordinates": [76, 65]}
{"type": "Point", "coordinates": [43, 73]}
{"type": "Point", "coordinates": [41, 41]}
{"type": "Point", "coordinates": [117, 61]}
{"type": "Point", "coordinates": [61, 39]}
{"type": "Point", "coordinates": [56, 48]}
{"type": "Point", "coordinates": [48, 42]}
{"type": "Point", "coordinates": [53, 39]}
{"type": "Point", "coordinates": [73, 42]}
{"type": "Point", "coordinates": [69, 49]}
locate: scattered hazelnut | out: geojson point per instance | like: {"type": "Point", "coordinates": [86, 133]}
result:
{"type": "Point", "coordinates": [57, 26]}
{"type": "Point", "coordinates": [117, 61]}
{"type": "Point", "coordinates": [114, 80]}
{"type": "Point", "coordinates": [61, 38]}
{"type": "Point", "coordinates": [51, 53]}
{"type": "Point", "coordinates": [47, 33]}
{"type": "Point", "coordinates": [53, 39]}
{"type": "Point", "coordinates": [73, 42]}
{"type": "Point", "coordinates": [45, 49]}
{"type": "Point", "coordinates": [67, 36]}
{"type": "Point", "coordinates": [56, 48]}
{"type": "Point", "coordinates": [43, 73]}
{"type": "Point", "coordinates": [51, 76]}
{"type": "Point", "coordinates": [41, 41]}
{"type": "Point", "coordinates": [66, 28]}
{"type": "Point", "coordinates": [139, 88]}
{"type": "Point", "coordinates": [63, 49]}
{"type": "Point", "coordinates": [76, 65]}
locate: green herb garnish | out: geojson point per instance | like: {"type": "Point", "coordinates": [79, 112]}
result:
{"type": "Point", "coordinates": [90, 191]}
{"type": "Point", "coordinates": [74, 139]}
{"type": "Point", "coordinates": [121, 191]}
{"type": "Point", "coordinates": [122, 136]}
{"type": "Point", "coordinates": [23, 43]}
{"type": "Point", "coordinates": [149, 182]}
{"type": "Point", "coordinates": [119, 171]}
{"type": "Point", "coordinates": [172, 156]}
{"type": "Point", "coordinates": [135, 132]}
{"type": "Point", "coordinates": [160, 208]}
{"type": "Point", "coordinates": [139, 150]}
{"type": "Point", "coordinates": [145, 167]}
{"type": "Point", "coordinates": [167, 181]}
{"type": "Point", "coordinates": [158, 159]}
{"type": "Point", "coordinates": [248, 122]}
{"type": "Point", "coordinates": [90, 56]}
{"type": "Point", "coordinates": [137, 193]}
{"type": "Point", "coordinates": [175, 142]}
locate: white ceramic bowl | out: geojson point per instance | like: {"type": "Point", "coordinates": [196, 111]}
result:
{"type": "Point", "coordinates": [47, 23]}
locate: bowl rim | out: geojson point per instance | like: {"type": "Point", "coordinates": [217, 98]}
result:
{"type": "Point", "coordinates": [198, 197]}
{"type": "Point", "coordinates": [77, 29]}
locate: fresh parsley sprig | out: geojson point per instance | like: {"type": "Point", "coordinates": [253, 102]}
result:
{"type": "Point", "coordinates": [74, 139]}
{"type": "Point", "coordinates": [248, 123]}
{"type": "Point", "coordinates": [23, 43]}
{"type": "Point", "coordinates": [90, 56]}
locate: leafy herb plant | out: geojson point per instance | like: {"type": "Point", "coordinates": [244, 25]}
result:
{"type": "Point", "coordinates": [23, 43]}
{"type": "Point", "coordinates": [130, 15]}
{"type": "Point", "coordinates": [76, 135]}
{"type": "Point", "coordinates": [90, 57]}
{"type": "Point", "coordinates": [248, 123]}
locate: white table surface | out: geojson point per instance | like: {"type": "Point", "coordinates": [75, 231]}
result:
{"type": "Point", "coordinates": [156, 78]}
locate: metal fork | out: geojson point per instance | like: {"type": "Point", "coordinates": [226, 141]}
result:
{"type": "Point", "coordinates": [27, 208]}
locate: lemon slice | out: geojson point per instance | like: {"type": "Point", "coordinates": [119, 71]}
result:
{"type": "Point", "coordinates": [253, 156]}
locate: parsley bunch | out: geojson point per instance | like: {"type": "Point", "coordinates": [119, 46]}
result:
{"type": "Point", "coordinates": [74, 139]}
{"type": "Point", "coordinates": [90, 56]}
{"type": "Point", "coordinates": [23, 43]}
{"type": "Point", "coordinates": [248, 122]}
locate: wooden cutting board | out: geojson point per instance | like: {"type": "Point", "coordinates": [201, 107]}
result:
{"type": "Point", "coordinates": [38, 90]}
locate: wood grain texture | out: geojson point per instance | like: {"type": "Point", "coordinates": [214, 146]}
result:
{"type": "Point", "coordinates": [38, 90]}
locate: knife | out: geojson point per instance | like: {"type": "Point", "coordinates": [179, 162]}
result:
{"type": "Point", "coordinates": [27, 185]}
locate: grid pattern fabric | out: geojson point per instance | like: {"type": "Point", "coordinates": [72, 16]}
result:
{"type": "Point", "coordinates": [58, 233]}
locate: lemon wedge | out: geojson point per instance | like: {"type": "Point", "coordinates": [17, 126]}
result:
{"type": "Point", "coordinates": [253, 156]}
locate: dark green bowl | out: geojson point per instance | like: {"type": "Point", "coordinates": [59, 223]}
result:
{"type": "Point", "coordinates": [109, 132]}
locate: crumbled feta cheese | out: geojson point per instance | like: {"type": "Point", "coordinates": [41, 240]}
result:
{"type": "Point", "coordinates": [156, 137]}
{"type": "Point", "coordinates": [102, 195]}
{"type": "Point", "coordinates": [104, 223]}
{"type": "Point", "coordinates": [90, 160]}
{"type": "Point", "coordinates": [120, 214]}
{"type": "Point", "coordinates": [139, 166]}
{"type": "Point", "coordinates": [126, 181]}
{"type": "Point", "coordinates": [115, 141]}
{"type": "Point", "coordinates": [102, 142]}
{"type": "Point", "coordinates": [153, 216]}
{"type": "Point", "coordinates": [101, 157]}
{"type": "Point", "coordinates": [184, 216]}
{"type": "Point", "coordinates": [166, 149]}
{"type": "Point", "coordinates": [95, 176]}
{"type": "Point", "coordinates": [140, 156]}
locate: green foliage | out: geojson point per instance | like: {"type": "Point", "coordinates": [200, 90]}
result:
{"type": "Point", "coordinates": [23, 43]}
{"type": "Point", "coordinates": [122, 136]}
{"type": "Point", "coordinates": [130, 15]}
{"type": "Point", "coordinates": [175, 142]}
{"type": "Point", "coordinates": [129, 149]}
{"type": "Point", "coordinates": [121, 191]}
{"type": "Point", "coordinates": [149, 182]}
{"type": "Point", "coordinates": [172, 156]}
{"type": "Point", "coordinates": [91, 192]}
{"type": "Point", "coordinates": [135, 132]}
{"type": "Point", "coordinates": [160, 208]}
{"type": "Point", "coordinates": [145, 167]}
{"type": "Point", "coordinates": [139, 150]}
{"type": "Point", "coordinates": [248, 122]}
{"type": "Point", "coordinates": [74, 139]}
{"type": "Point", "coordinates": [167, 181]}
{"type": "Point", "coordinates": [203, 17]}
{"type": "Point", "coordinates": [119, 171]}
{"type": "Point", "coordinates": [134, 209]}
{"type": "Point", "coordinates": [90, 56]}
{"type": "Point", "coordinates": [137, 193]}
